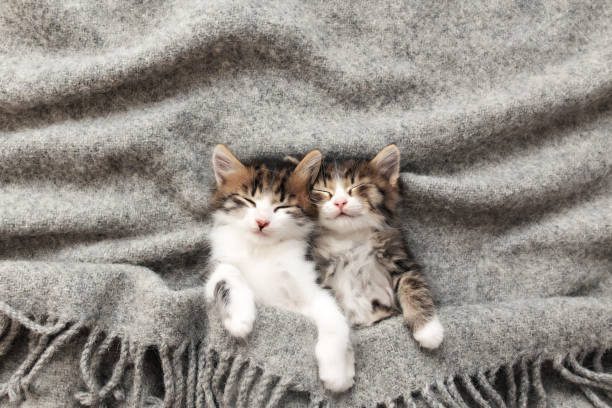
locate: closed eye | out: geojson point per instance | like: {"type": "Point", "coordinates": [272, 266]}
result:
{"type": "Point", "coordinates": [244, 200]}
{"type": "Point", "coordinates": [324, 192]}
{"type": "Point", "coordinates": [280, 207]}
{"type": "Point", "coordinates": [250, 201]}
{"type": "Point", "coordinates": [356, 186]}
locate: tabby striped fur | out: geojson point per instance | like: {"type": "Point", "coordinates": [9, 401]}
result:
{"type": "Point", "coordinates": [362, 257]}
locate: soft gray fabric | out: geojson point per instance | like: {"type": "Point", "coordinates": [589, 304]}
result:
{"type": "Point", "coordinates": [108, 115]}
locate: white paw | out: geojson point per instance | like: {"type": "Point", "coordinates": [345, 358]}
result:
{"type": "Point", "coordinates": [336, 369]}
{"type": "Point", "coordinates": [335, 379]}
{"type": "Point", "coordinates": [240, 314]}
{"type": "Point", "coordinates": [239, 327]}
{"type": "Point", "coordinates": [430, 335]}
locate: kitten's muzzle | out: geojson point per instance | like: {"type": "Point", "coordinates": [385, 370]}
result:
{"type": "Point", "coordinates": [340, 204]}
{"type": "Point", "coordinates": [261, 223]}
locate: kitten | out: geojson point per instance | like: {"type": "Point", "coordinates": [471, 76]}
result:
{"type": "Point", "coordinates": [262, 220]}
{"type": "Point", "coordinates": [361, 255]}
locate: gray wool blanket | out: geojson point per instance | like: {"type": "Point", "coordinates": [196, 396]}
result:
{"type": "Point", "coordinates": [108, 115]}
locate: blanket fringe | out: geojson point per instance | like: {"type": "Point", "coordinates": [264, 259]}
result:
{"type": "Point", "coordinates": [46, 336]}
{"type": "Point", "coordinates": [91, 359]}
{"type": "Point", "coordinates": [228, 380]}
{"type": "Point", "coordinates": [195, 375]}
{"type": "Point", "coordinates": [484, 389]}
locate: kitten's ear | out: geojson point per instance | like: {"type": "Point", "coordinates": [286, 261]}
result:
{"type": "Point", "coordinates": [308, 168]}
{"type": "Point", "coordinates": [387, 164]}
{"type": "Point", "coordinates": [224, 164]}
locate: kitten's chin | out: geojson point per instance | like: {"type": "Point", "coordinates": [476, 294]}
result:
{"type": "Point", "coordinates": [269, 238]}
{"type": "Point", "coordinates": [261, 237]}
{"type": "Point", "coordinates": [344, 223]}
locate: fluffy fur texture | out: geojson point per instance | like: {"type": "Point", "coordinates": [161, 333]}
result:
{"type": "Point", "coordinates": [261, 224]}
{"type": "Point", "coordinates": [362, 257]}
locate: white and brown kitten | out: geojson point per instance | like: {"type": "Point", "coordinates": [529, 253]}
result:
{"type": "Point", "coordinates": [362, 257]}
{"type": "Point", "coordinates": [261, 223]}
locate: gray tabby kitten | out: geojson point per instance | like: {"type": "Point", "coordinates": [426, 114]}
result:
{"type": "Point", "coordinates": [362, 257]}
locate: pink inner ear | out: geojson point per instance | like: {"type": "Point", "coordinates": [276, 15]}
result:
{"type": "Point", "coordinates": [388, 165]}
{"type": "Point", "coordinates": [222, 166]}
{"type": "Point", "coordinates": [222, 163]}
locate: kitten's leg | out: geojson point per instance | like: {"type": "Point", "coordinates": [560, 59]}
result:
{"type": "Point", "coordinates": [333, 351]}
{"type": "Point", "coordinates": [418, 309]}
{"type": "Point", "coordinates": [234, 299]}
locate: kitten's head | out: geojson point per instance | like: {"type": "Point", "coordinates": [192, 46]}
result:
{"type": "Point", "coordinates": [358, 194]}
{"type": "Point", "coordinates": [267, 203]}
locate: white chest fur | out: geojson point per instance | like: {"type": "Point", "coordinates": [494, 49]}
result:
{"type": "Point", "coordinates": [278, 274]}
{"type": "Point", "coordinates": [357, 279]}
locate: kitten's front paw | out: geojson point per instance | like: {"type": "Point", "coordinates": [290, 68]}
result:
{"type": "Point", "coordinates": [238, 327]}
{"type": "Point", "coordinates": [336, 379]}
{"type": "Point", "coordinates": [430, 335]}
{"type": "Point", "coordinates": [240, 315]}
{"type": "Point", "coordinates": [337, 374]}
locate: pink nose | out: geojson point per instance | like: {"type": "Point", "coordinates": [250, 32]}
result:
{"type": "Point", "coordinates": [262, 223]}
{"type": "Point", "coordinates": [340, 204]}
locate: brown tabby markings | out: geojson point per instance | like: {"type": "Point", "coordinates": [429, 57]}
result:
{"type": "Point", "coordinates": [367, 184]}
{"type": "Point", "coordinates": [410, 287]}
{"type": "Point", "coordinates": [253, 181]}
{"type": "Point", "coordinates": [380, 196]}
